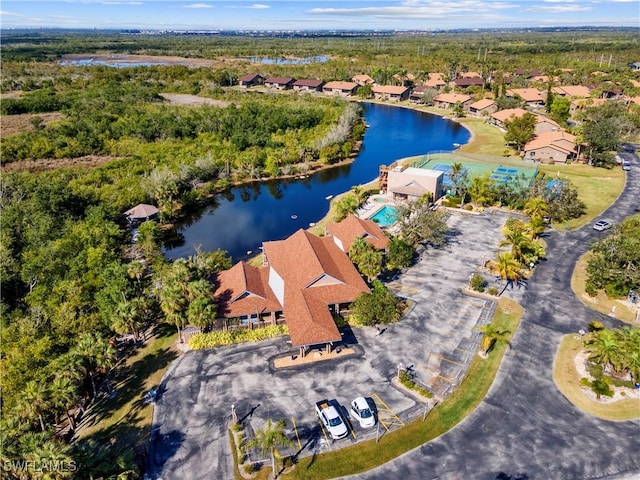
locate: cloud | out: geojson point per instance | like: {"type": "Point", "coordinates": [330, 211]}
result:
{"type": "Point", "coordinates": [259, 6]}
{"type": "Point", "coordinates": [106, 2]}
{"type": "Point", "coordinates": [422, 9]}
{"type": "Point", "coordinates": [197, 5]}
{"type": "Point", "coordinates": [4, 13]}
{"type": "Point", "coordinates": [560, 8]}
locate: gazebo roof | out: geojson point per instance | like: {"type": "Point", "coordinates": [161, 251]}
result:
{"type": "Point", "coordinates": [141, 211]}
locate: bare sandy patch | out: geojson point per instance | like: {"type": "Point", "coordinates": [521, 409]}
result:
{"type": "Point", "coordinates": [34, 166]}
{"type": "Point", "coordinates": [13, 124]}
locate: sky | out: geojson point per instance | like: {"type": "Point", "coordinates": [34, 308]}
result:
{"type": "Point", "coordinates": [316, 14]}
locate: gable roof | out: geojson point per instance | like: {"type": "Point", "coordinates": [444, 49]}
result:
{"type": "Point", "coordinates": [452, 98]}
{"type": "Point", "coordinates": [468, 81]}
{"type": "Point", "coordinates": [340, 85]}
{"type": "Point", "coordinates": [558, 140]}
{"type": "Point", "coordinates": [354, 227]}
{"type": "Point", "coordinates": [308, 83]}
{"type": "Point", "coordinates": [249, 77]}
{"type": "Point", "coordinates": [316, 273]}
{"type": "Point", "coordinates": [363, 78]}
{"type": "Point", "coordinates": [244, 289]}
{"type": "Point", "coordinates": [279, 80]}
{"type": "Point", "coordinates": [527, 94]}
{"type": "Point", "coordinates": [572, 91]}
{"type": "Point", "coordinates": [506, 114]}
{"type": "Point", "coordinates": [389, 89]}
{"type": "Point", "coordinates": [482, 104]}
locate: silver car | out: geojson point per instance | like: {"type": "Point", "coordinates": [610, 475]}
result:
{"type": "Point", "coordinates": [601, 225]}
{"type": "Point", "coordinates": [361, 409]}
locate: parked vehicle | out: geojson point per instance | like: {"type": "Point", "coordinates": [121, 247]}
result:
{"type": "Point", "coordinates": [331, 419]}
{"type": "Point", "coordinates": [626, 165]}
{"type": "Point", "coordinates": [602, 225]}
{"type": "Point", "coordinates": [362, 411]}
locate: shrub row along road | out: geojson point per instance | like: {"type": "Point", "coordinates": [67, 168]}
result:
{"type": "Point", "coordinates": [525, 428]}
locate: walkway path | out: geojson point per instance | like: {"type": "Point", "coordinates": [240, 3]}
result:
{"type": "Point", "coordinates": [525, 428]}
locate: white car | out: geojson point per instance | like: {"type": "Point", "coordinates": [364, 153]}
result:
{"type": "Point", "coordinates": [601, 225]}
{"type": "Point", "coordinates": [362, 411]}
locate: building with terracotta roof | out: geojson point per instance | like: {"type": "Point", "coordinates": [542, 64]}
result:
{"type": "Point", "coordinates": [342, 89]}
{"type": "Point", "coordinates": [573, 91]}
{"type": "Point", "coordinates": [435, 80]}
{"type": "Point", "coordinates": [410, 183]}
{"type": "Point", "coordinates": [344, 233]}
{"type": "Point", "coordinates": [450, 100]}
{"type": "Point", "coordinates": [578, 104]}
{"type": "Point", "coordinates": [363, 79]}
{"type": "Point", "coordinates": [482, 107]}
{"type": "Point", "coordinates": [390, 92]}
{"type": "Point", "coordinates": [499, 118]}
{"type": "Point", "coordinates": [531, 96]}
{"type": "Point", "coordinates": [304, 281]}
{"type": "Point", "coordinates": [551, 147]}
{"type": "Point", "coordinates": [466, 82]}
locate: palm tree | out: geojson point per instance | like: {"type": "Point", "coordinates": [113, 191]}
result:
{"type": "Point", "coordinates": [535, 227]}
{"type": "Point", "coordinates": [34, 401]}
{"type": "Point", "coordinates": [536, 207]}
{"type": "Point", "coordinates": [507, 267]}
{"type": "Point", "coordinates": [604, 348]}
{"type": "Point", "coordinates": [97, 356]}
{"type": "Point", "coordinates": [268, 439]}
{"type": "Point", "coordinates": [517, 240]}
{"type": "Point", "coordinates": [490, 336]}
{"type": "Point", "coordinates": [64, 395]}
{"type": "Point", "coordinates": [458, 177]}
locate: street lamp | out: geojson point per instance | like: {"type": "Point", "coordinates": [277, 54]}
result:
{"type": "Point", "coordinates": [399, 369]}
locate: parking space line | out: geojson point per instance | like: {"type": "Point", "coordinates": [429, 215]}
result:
{"type": "Point", "coordinates": [323, 431]}
{"type": "Point", "coordinates": [386, 421]}
{"type": "Point", "coordinates": [295, 429]}
{"type": "Point", "coordinates": [447, 360]}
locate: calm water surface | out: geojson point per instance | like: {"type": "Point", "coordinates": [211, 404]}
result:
{"type": "Point", "coordinates": [240, 220]}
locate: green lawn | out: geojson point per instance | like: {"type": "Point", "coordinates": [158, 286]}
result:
{"type": "Point", "coordinates": [124, 421]}
{"type": "Point", "coordinates": [465, 398]}
{"type": "Point", "coordinates": [597, 188]}
{"type": "Point", "coordinates": [486, 140]}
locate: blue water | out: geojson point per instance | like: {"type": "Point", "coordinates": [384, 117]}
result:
{"type": "Point", "coordinates": [241, 219]}
{"type": "Point", "coordinates": [385, 217]}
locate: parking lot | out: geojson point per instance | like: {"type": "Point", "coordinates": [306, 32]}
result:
{"type": "Point", "coordinates": [436, 339]}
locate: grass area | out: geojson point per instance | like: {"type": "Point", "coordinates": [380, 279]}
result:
{"type": "Point", "coordinates": [486, 140]}
{"type": "Point", "coordinates": [567, 380]}
{"type": "Point", "coordinates": [601, 303]}
{"type": "Point", "coordinates": [124, 421]}
{"type": "Point", "coordinates": [597, 188]}
{"type": "Point", "coordinates": [465, 398]}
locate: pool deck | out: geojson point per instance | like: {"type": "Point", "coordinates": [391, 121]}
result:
{"type": "Point", "coordinates": [373, 204]}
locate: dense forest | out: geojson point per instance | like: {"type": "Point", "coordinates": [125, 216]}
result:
{"type": "Point", "coordinates": [72, 281]}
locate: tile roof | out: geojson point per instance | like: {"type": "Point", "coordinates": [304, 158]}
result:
{"type": "Point", "coordinates": [308, 83]}
{"type": "Point", "coordinates": [452, 98]}
{"type": "Point", "coordinates": [354, 227]}
{"type": "Point", "coordinates": [572, 91]}
{"type": "Point", "coordinates": [389, 89]}
{"type": "Point", "coordinates": [340, 85]}
{"type": "Point", "coordinates": [316, 273]}
{"type": "Point", "coordinates": [468, 81]}
{"type": "Point", "coordinates": [249, 77]}
{"type": "Point", "coordinates": [363, 78]}
{"type": "Point", "coordinates": [506, 114]}
{"type": "Point", "coordinates": [482, 104]}
{"type": "Point", "coordinates": [527, 94]}
{"type": "Point", "coordinates": [559, 140]}
{"type": "Point", "coordinates": [244, 290]}
{"type": "Point", "coordinates": [279, 80]}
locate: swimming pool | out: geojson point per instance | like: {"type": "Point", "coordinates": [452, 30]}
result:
{"type": "Point", "coordinates": [385, 217]}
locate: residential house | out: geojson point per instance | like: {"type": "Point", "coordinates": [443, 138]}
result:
{"type": "Point", "coordinates": [305, 280]}
{"type": "Point", "coordinates": [251, 80]}
{"type": "Point", "coordinates": [551, 147]}
{"type": "Point", "coordinates": [410, 183]}
{"type": "Point", "coordinates": [499, 118]}
{"type": "Point", "coordinates": [450, 100]}
{"type": "Point", "coordinates": [417, 93]}
{"type": "Point", "coordinates": [572, 91]}
{"type": "Point", "coordinates": [578, 104]}
{"type": "Point", "coordinates": [310, 85]}
{"type": "Point", "coordinates": [435, 80]}
{"type": "Point", "coordinates": [390, 92]}
{"type": "Point", "coordinates": [528, 74]}
{"type": "Point", "coordinates": [344, 233]}
{"type": "Point", "coordinates": [280, 83]}
{"type": "Point", "coordinates": [483, 107]}
{"type": "Point", "coordinates": [531, 96]}
{"type": "Point", "coordinates": [466, 82]}
{"type": "Point", "coordinates": [341, 89]}
{"type": "Point", "coordinates": [362, 80]}
{"type": "Point", "coordinates": [544, 125]}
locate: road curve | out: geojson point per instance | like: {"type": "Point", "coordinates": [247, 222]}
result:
{"type": "Point", "coordinates": [525, 428]}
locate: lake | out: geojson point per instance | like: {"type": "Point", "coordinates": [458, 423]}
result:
{"type": "Point", "coordinates": [242, 218]}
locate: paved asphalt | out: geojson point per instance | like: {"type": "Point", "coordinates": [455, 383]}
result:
{"type": "Point", "coordinates": [525, 429]}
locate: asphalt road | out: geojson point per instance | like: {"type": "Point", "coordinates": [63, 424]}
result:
{"type": "Point", "coordinates": [525, 428]}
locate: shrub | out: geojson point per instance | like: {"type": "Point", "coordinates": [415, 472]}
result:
{"type": "Point", "coordinates": [595, 326]}
{"type": "Point", "coordinates": [601, 387]}
{"type": "Point", "coordinates": [406, 379]}
{"type": "Point", "coordinates": [492, 291]}
{"type": "Point", "coordinates": [596, 370]}
{"type": "Point", "coordinates": [452, 202]}
{"type": "Point", "coordinates": [468, 207]}
{"type": "Point", "coordinates": [200, 341]}
{"type": "Point", "coordinates": [477, 282]}
{"type": "Point", "coordinates": [591, 289]}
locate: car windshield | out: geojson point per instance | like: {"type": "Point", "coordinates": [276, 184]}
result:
{"type": "Point", "coordinates": [365, 413]}
{"type": "Point", "coordinates": [334, 422]}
